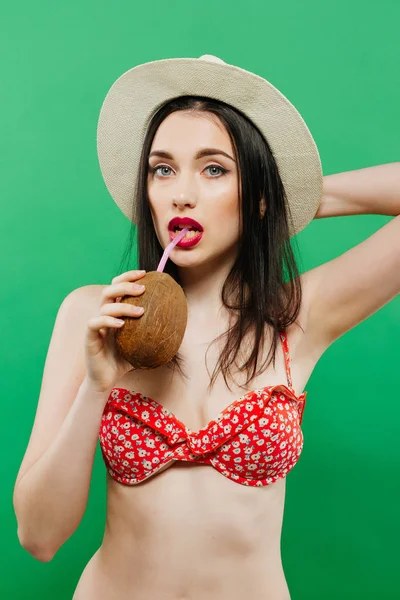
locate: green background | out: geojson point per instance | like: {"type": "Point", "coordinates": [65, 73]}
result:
{"type": "Point", "coordinates": [339, 65]}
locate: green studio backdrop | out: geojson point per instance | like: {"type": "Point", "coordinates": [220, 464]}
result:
{"type": "Point", "coordinates": [338, 64]}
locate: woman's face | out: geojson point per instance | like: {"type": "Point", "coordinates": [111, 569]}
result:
{"type": "Point", "coordinates": [203, 188]}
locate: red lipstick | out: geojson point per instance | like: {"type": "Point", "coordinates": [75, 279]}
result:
{"type": "Point", "coordinates": [190, 239]}
{"type": "Point", "coordinates": [182, 222]}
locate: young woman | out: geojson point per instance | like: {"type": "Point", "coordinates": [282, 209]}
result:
{"type": "Point", "coordinates": [197, 451]}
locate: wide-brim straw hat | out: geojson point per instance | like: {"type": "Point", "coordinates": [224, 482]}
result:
{"type": "Point", "coordinates": [138, 93]}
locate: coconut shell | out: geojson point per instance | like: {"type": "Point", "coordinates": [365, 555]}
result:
{"type": "Point", "coordinates": [153, 339]}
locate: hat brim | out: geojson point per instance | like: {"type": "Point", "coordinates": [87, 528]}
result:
{"type": "Point", "coordinates": [137, 94]}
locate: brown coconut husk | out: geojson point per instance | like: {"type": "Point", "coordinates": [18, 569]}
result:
{"type": "Point", "coordinates": [154, 338]}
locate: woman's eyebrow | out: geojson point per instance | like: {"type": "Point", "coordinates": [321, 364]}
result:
{"type": "Point", "coordinates": [200, 154]}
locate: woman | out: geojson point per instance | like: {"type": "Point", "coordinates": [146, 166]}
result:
{"type": "Point", "coordinates": [197, 463]}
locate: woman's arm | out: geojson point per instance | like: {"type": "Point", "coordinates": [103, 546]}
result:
{"type": "Point", "coordinates": [52, 486]}
{"type": "Point", "coordinates": [50, 499]}
{"type": "Point", "coordinates": [346, 290]}
{"type": "Point", "coordinates": [373, 190]}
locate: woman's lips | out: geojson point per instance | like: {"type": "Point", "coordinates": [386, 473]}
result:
{"type": "Point", "coordinates": [186, 241]}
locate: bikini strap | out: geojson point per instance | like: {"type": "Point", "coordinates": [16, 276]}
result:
{"type": "Point", "coordinates": [286, 354]}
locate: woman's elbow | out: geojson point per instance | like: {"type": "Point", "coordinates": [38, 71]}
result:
{"type": "Point", "coordinates": [39, 551]}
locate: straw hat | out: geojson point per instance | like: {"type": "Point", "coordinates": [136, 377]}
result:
{"type": "Point", "coordinates": [139, 92]}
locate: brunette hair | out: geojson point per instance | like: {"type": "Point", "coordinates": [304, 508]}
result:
{"type": "Point", "coordinates": [255, 289]}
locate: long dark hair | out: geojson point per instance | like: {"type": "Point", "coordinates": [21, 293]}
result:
{"type": "Point", "coordinates": [255, 289]}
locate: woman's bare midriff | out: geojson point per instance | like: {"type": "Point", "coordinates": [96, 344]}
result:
{"type": "Point", "coordinates": [188, 532]}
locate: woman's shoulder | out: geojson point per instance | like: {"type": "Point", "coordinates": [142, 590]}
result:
{"type": "Point", "coordinates": [85, 293]}
{"type": "Point", "coordinates": [80, 303]}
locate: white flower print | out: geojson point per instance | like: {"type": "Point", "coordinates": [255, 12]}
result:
{"type": "Point", "coordinates": [227, 428]}
{"type": "Point", "coordinates": [145, 415]}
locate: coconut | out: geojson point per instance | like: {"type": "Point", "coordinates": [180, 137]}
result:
{"type": "Point", "coordinates": [154, 338]}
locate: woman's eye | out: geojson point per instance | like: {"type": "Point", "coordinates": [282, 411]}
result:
{"type": "Point", "coordinates": [156, 169]}
{"type": "Point", "coordinates": [217, 167]}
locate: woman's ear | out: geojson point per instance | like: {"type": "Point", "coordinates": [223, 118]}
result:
{"type": "Point", "coordinates": [263, 207]}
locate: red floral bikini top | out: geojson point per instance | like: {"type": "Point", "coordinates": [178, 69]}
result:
{"type": "Point", "coordinates": [254, 441]}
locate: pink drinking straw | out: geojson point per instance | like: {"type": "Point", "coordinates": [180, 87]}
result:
{"type": "Point", "coordinates": [168, 249]}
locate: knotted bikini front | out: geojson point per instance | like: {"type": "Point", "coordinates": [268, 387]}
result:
{"type": "Point", "coordinates": [254, 441]}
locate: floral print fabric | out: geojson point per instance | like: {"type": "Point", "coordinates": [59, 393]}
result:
{"type": "Point", "coordinates": [254, 441]}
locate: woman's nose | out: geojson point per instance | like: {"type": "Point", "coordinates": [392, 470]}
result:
{"type": "Point", "coordinates": [184, 199]}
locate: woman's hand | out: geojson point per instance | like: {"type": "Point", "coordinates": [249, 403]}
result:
{"type": "Point", "coordinates": [104, 364]}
